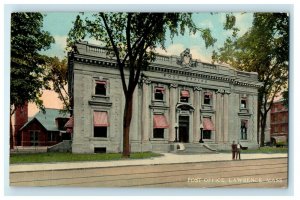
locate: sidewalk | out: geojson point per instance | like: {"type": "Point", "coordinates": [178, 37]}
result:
{"type": "Point", "coordinates": [168, 158]}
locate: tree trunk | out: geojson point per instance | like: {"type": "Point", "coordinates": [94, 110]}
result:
{"type": "Point", "coordinates": [258, 120]}
{"type": "Point", "coordinates": [263, 127]}
{"type": "Point", "coordinates": [126, 125]}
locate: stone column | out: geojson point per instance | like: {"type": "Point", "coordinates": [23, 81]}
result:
{"type": "Point", "coordinates": [145, 110]}
{"type": "Point", "coordinates": [196, 124]}
{"type": "Point", "coordinates": [172, 111]}
{"type": "Point", "coordinates": [219, 116]}
{"type": "Point", "coordinates": [226, 117]}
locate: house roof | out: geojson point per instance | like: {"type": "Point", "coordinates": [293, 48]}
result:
{"type": "Point", "coordinates": [47, 119]}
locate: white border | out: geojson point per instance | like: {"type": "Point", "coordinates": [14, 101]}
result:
{"type": "Point", "coordinates": [219, 6]}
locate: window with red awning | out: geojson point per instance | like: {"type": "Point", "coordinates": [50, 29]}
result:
{"type": "Point", "coordinates": [208, 124]}
{"type": "Point", "coordinates": [70, 123]}
{"type": "Point", "coordinates": [185, 93]}
{"type": "Point", "coordinates": [160, 121]}
{"type": "Point", "coordinates": [100, 119]}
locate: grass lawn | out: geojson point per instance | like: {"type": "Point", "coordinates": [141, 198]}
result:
{"type": "Point", "coordinates": [69, 157]}
{"type": "Point", "coordinates": [265, 150]}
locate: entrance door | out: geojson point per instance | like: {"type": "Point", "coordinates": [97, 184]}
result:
{"type": "Point", "coordinates": [183, 129]}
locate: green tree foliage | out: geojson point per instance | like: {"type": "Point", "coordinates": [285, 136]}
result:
{"type": "Point", "coordinates": [27, 72]}
{"type": "Point", "coordinates": [285, 96]}
{"type": "Point", "coordinates": [27, 40]}
{"type": "Point", "coordinates": [56, 77]}
{"type": "Point", "coordinates": [264, 49]}
{"type": "Point", "coordinates": [132, 38]}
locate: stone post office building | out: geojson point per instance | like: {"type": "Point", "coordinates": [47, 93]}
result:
{"type": "Point", "coordinates": [176, 98]}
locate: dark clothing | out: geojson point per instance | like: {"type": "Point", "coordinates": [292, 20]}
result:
{"type": "Point", "coordinates": [234, 151]}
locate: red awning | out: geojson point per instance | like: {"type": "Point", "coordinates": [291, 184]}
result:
{"type": "Point", "coordinates": [208, 124]}
{"type": "Point", "coordinates": [100, 119]}
{"type": "Point", "coordinates": [69, 130]}
{"type": "Point", "coordinates": [209, 94]}
{"type": "Point", "coordinates": [160, 121]}
{"type": "Point", "coordinates": [160, 89]}
{"type": "Point", "coordinates": [185, 93]}
{"type": "Point", "coordinates": [70, 123]}
{"type": "Point", "coordinates": [245, 122]}
{"type": "Point", "coordinates": [101, 82]}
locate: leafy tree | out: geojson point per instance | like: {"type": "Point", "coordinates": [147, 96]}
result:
{"type": "Point", "coordinates": [27, 39]}
{"type": "Point", "coordinates": [56, 76]}
{"type": "Point", "coordinates": [132, 38]}
{"type": "Point", "coordinates": [264, 49]}
{"type": "Point", "coordinates": [285, 96]}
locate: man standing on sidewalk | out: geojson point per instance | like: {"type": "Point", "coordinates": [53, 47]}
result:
{"type": "Point", "coordinates": [238, 152]}
{"type": "Point", "coordinates": [234, 150]}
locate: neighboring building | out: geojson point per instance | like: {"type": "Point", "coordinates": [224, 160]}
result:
{"type": "Point", "coordinates": [175, 97]}
{"type": "Point", "coordinates": [279, 122]}
{"type": "Point", "coordinates": [18, 119]}
{"type": "Point", "coordinates": [44, 129]}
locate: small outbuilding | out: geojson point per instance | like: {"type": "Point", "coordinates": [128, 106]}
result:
{"type": "Point", "coordinates": [44, 129]}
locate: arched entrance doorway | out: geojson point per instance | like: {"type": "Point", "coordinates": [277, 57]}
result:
{"type": "Point", "coordinates": [184, 111]}
{"type": "Point", "coordinates": [184, 122]}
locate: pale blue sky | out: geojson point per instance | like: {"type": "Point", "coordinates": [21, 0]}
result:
{"type": "Point", "coordinates": [59, 24]}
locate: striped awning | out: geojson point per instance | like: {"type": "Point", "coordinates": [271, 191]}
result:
{"type": "Point", "coordinates": [100, 119]}
{"type": "Point", "coordinates": [208, 124]}
{"type": "Point", "coordinates": [245, 122]}
{"type": "Point", "coordinates": [70, 123]}
{"type": "Point", "coordinates": [101, 82]}
{"type": "Point", "coordinates": [185, 93]}
{"type": "Point", "coordinates": [160, 121]}
{"type": "Point", "coordinates": [160, 90]}
{"type": "Point", "coordinates": [207, 94]}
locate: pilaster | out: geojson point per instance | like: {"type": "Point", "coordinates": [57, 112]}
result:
{"type": "Point", "coordinates": [196, 104]}
{"type": "Point", "coordinates": [145, 109]}
{"type": "Point", "coordinates": [172, 111]}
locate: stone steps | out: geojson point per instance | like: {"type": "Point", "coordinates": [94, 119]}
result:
{"type": "Point", "coordinates": [194, 148]}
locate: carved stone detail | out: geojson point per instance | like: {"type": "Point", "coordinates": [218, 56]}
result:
{"type": "Point", "coordinates": [146, 80]}
{"type": "Point", "coordinates": [186, 59]}
{"type": "Point", "coordinates": [173, 85]}
{"type": "Point", "coordinates": [197, 88]}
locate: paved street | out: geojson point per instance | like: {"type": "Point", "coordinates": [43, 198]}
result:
{"type": "Point", "coordinates": [262, 173]}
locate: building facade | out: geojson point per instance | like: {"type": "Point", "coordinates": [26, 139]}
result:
{"type": "Point", "coordinates": [175, 98]}
{"type": "Point", "coordinates": [19, 118]}
{"type": "Point", "coordinates": [279, 122]}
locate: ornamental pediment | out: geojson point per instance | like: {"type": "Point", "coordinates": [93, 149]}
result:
{"type": "Point", "coordinates": [185, 59]}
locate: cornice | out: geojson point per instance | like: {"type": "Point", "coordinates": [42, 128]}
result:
{"type": "Point", "coordinates": [159, 68]}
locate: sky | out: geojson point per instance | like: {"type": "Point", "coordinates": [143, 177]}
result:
{"type": "Point", "coordinates": [58, 25]}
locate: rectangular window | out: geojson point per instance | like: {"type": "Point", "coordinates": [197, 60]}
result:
{"type": "Point", "coordinates": [100, 132]}
{"type": "Point", "coordinates": [244, 102]}
{"type": "Point", "coordinates": [244, 127]}
{"type": "Point", "coordinates": [206, 134]}
{"type": "Point", "coordinates": [159, 125]}
{"type": "Point", "coordinates": [159, 93]}
{"type": "Point", "coordinates": [34, 138]}
{"type": "Point", "coordinates": [100, 124]}
{"type": "Point", "coordinates": [283, 129]}
{"type": "Point", "coordinates": [207, 98]}
{"type": "Point", "coordinates": [100, 150]}
{"type": "Point", "coordinates": [184, 96]}
{"type": "Point", "coordinates": [275, 129]}
{"type": "Point", "coordinates": [100, 88]}
{"type": "Point", "coordinates": [158, 133]}
{"type": "Point", "coordinates": [50, 136]}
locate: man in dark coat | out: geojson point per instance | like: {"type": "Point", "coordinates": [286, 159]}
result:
{"type": "Point", "coordinates": [234, 150]}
